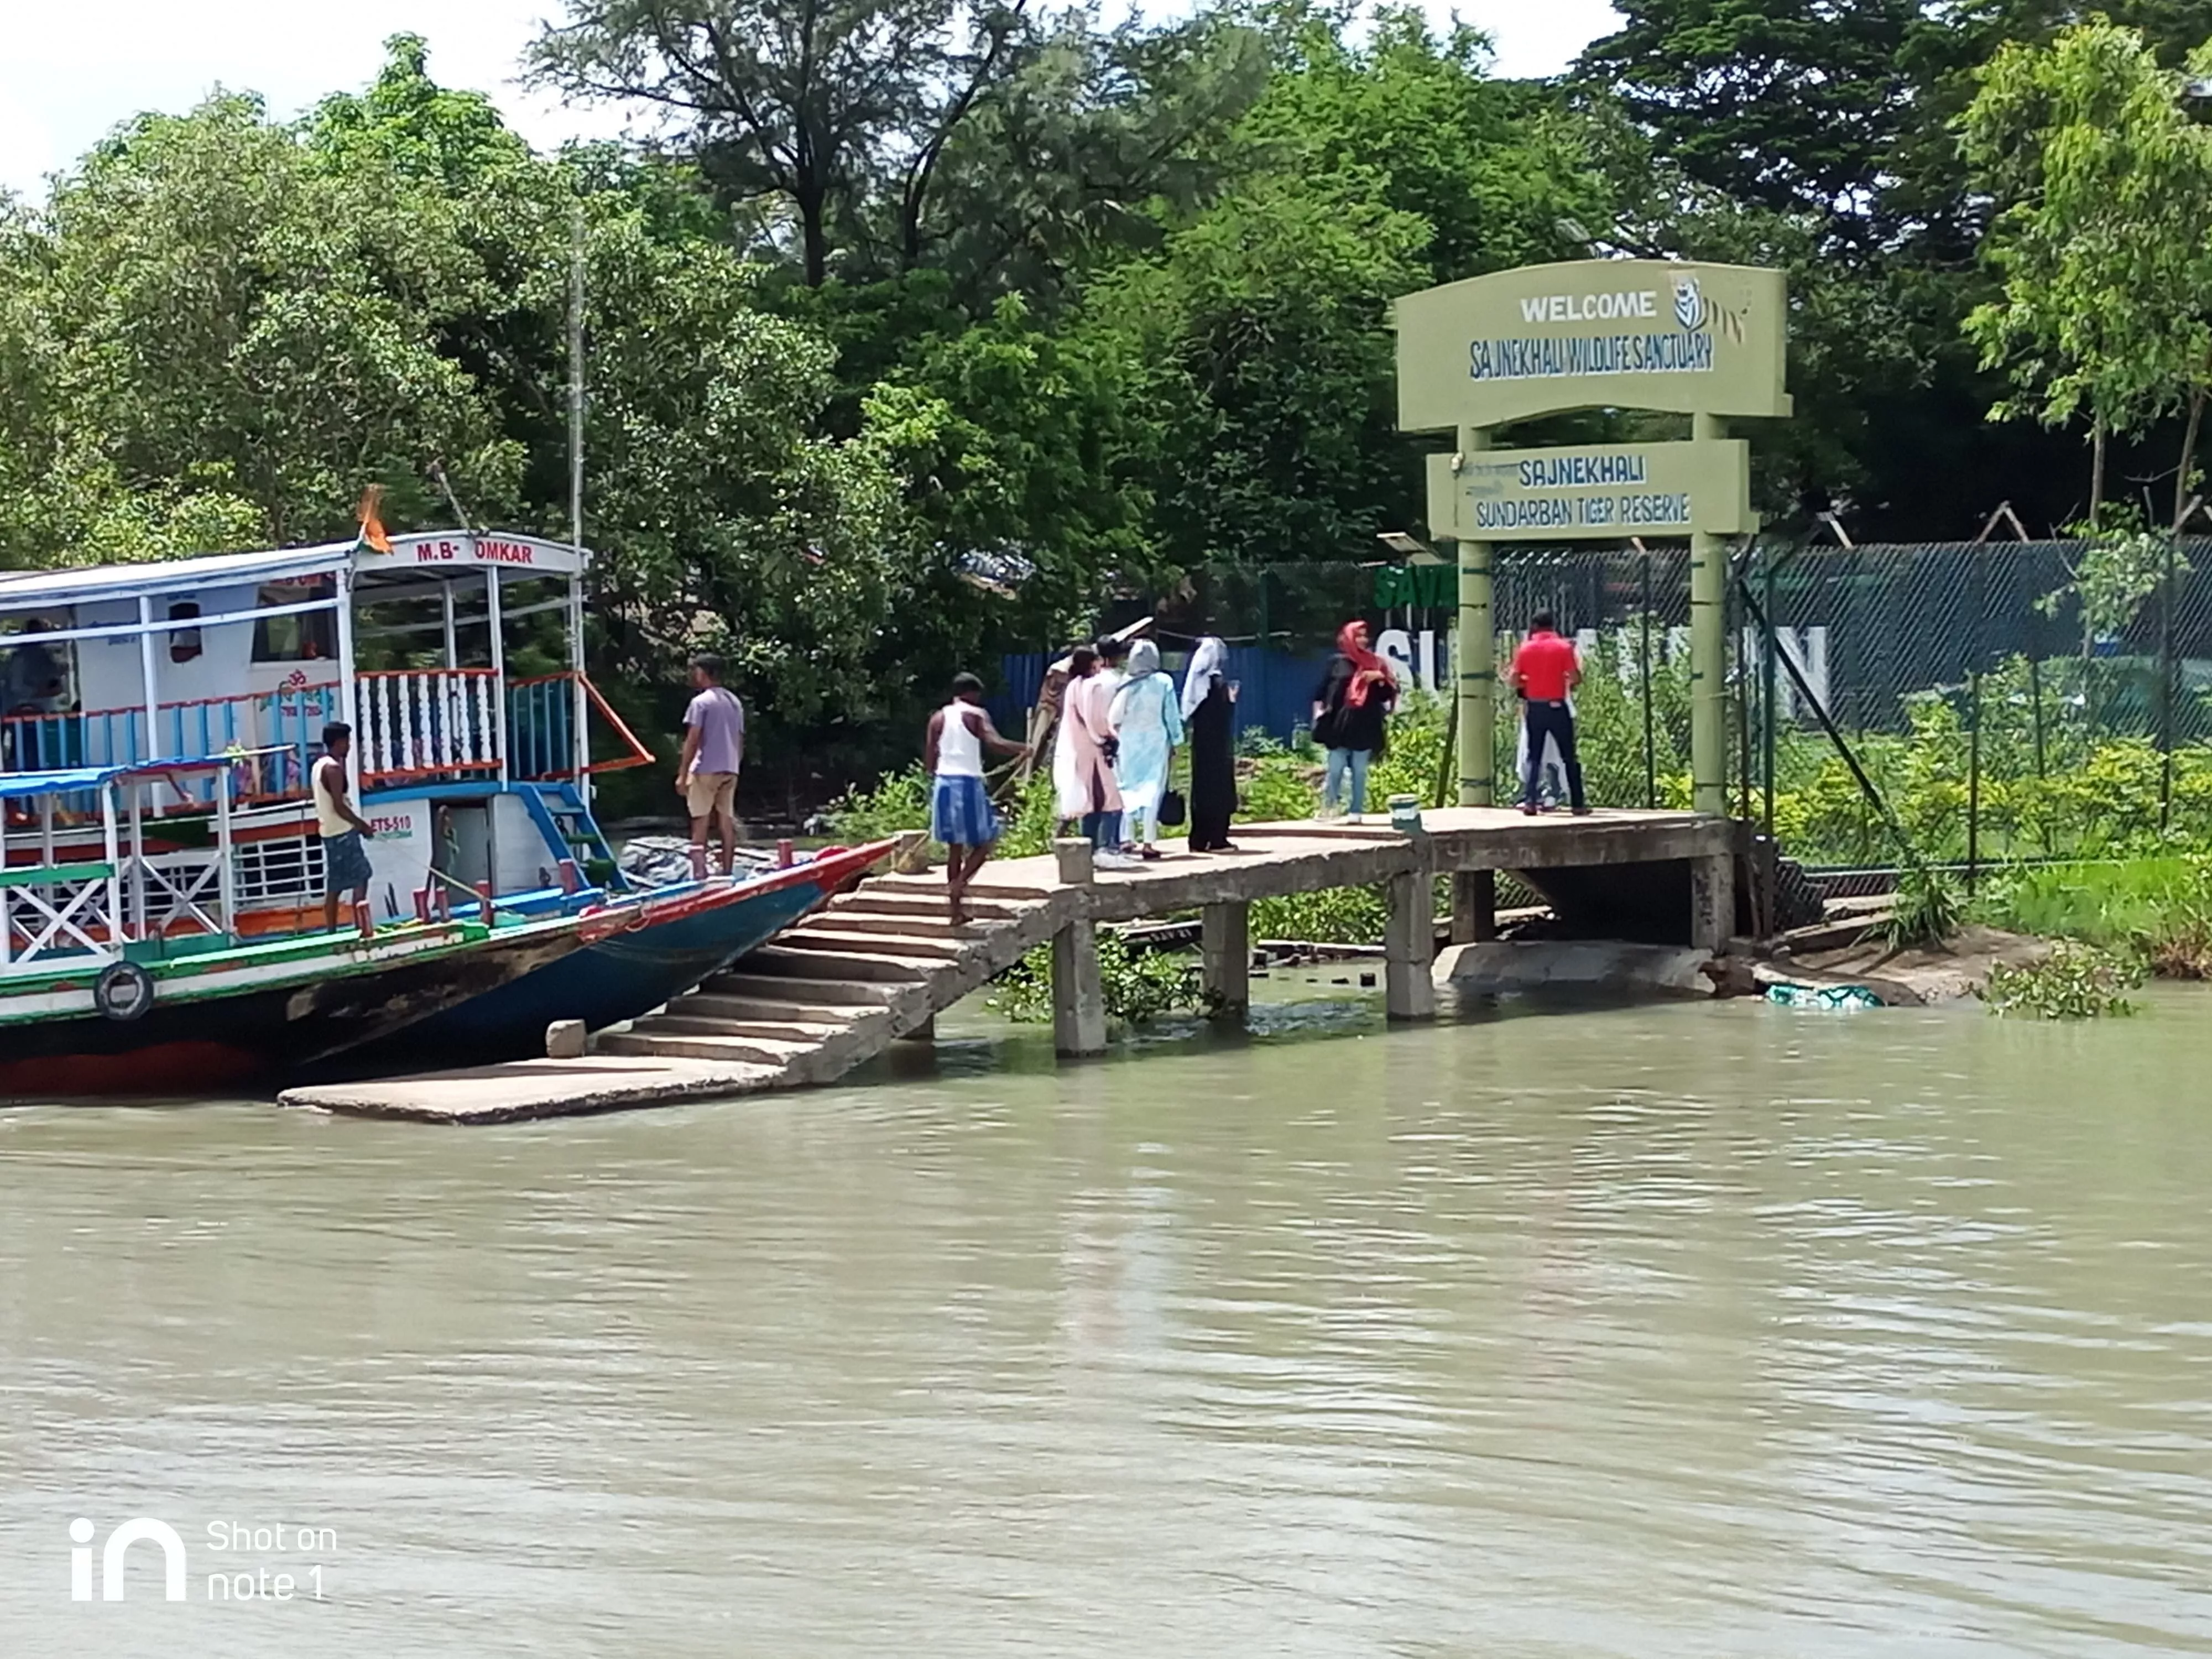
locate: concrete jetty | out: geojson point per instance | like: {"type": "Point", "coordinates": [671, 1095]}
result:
{"type": "Point", "coordinates": [879, 964]}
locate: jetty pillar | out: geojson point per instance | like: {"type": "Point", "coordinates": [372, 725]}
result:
{"type": "Point", "coordinates": [1474, 906]}
{"type": "Point", "coordinates": [1078, 997]}
{"type": "Point", "coordinates": [1712, 902]}
{"type": "Point", "coordinates": [1409, 946]}
{"type": "Point", "coordinates": [1225, 945]}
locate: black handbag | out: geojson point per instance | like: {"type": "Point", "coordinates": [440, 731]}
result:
{"type": "Point", "coordinates": [1173, 809]}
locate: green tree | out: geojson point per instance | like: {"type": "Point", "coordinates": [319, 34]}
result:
{"type": "Point", "coordinates": [2103, 240]}
{"type": "Point", "coordinates": [835, 114]}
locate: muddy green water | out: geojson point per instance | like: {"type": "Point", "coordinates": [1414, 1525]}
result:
{"type": "Point", "coordinates": [1692, 1330]}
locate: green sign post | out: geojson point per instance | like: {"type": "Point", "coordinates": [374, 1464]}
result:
{"type": "Point", "coordinates": [1705, 341]}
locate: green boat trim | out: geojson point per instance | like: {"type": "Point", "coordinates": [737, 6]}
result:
{"type": "Point", "coordinates": [320, 956]}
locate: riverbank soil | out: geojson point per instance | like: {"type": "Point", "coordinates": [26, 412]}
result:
{"type": "Point", "coordinates": [1949, 973]}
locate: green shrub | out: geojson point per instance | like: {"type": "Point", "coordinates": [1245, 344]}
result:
{"type": "Point", "coordinates": [900, 801]}
{"type": "Point", "coordinates": [1139, 986]}
{"type": "Point", "coordinates": [1927, 911]}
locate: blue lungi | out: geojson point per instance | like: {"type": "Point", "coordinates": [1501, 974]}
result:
{"type": "Point", "coordinates": [961, 814]}
{"type": "Point", "coordinates": [345, 863]}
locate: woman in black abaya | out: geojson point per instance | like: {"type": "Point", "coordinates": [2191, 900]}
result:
{"type": "Point", "coordinates": [1209, 715]}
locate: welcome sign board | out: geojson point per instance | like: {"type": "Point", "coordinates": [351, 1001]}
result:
{"type": "Point", "coordinates": [1692, 339]}
{"type": "Point", "coordinates": [1606, 491]}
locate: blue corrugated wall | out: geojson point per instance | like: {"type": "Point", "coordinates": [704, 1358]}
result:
{"type": "Point", "coordinates": [1274, 694]}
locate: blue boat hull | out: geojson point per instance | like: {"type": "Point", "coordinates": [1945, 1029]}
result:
{"type": "Point", "coordinates": [621, 976]}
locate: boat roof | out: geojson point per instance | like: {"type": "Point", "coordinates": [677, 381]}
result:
{"type": "Point", "coordinates": [438, 554]}
{"type": "Point", "coordinates": [23, 590]}
{"type": "Point", "coordinates": [15, 786]}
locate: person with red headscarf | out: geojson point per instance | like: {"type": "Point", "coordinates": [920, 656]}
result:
{"type": "Point", "coordinates": [1352, 707]}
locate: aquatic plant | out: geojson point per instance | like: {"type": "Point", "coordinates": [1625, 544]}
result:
{"type": "Point", "coordinates": [1139, 986]}
{"type": "Point", "coordinates": [2075, 981]}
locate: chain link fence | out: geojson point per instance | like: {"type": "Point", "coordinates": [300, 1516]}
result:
{"type": "Point", "coordinates": [1949, 701]}
{"type": "Point", "coordinates": [1943, 702]}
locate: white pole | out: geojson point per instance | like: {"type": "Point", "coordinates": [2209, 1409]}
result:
{"type": "Point", "coordinates": [137, 855]}
{"type": "Point", "coordinates": [149, 674]}
{"type": "Point", "coordinates": [582, 738]}
{"type": "Point", "coordinates": [581, 704]}
{"type": "Point", "coordinates": [498, 669]}
{"type": "Point", "coordinates": [114, 874]}
{"type": "Point", "coordinates": [348, 702]}
{"type": "Point", "coordinates": [226, 879]}
{"type": "Point", "coordinates": [453, 653]}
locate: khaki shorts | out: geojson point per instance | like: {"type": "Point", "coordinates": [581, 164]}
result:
{"type": "Point", "coordinates": [709, 793]}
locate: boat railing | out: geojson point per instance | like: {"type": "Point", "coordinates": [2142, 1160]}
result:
{"type": "Point", "coordinates": [419, 724]}
{"type": "Point", "coordinates": [49, 911]}
{"type": "Point", "coordinates": [416, 726]}
{"type": "Point", "coordinates": [541, 723]}
{"type": "Point", "coordinates": [275, 735]}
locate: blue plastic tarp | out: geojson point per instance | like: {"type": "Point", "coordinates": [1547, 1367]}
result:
{"type": "Point", "coordinates": [15, 786]}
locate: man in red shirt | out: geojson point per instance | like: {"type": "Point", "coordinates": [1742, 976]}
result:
{"type": "Point", "coordinates": [1545, 670]}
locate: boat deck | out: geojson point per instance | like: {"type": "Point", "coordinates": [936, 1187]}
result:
{"type": "Point", "coordinates": [878, 964]}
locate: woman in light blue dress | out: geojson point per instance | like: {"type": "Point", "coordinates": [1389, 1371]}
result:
{"type": "Point", "coordinates": [1147, 721]}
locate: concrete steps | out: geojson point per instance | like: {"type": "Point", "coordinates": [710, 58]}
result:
{"type": "Point", "coordinates": [898, 946]}
{"type": "Point", "coordinates": [875, 965]}
{"type": "Point", "coordinates": [766, 986]}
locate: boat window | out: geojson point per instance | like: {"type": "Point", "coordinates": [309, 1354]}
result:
{"type": "Point", "coordinates": [34, 679]}
{"type": "Point", "coordinates": [303, 636]}
{"type": "Point", "coordinates": [184, 642]}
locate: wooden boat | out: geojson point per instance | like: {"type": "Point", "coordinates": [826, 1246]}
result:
{"type": "Point", "coordinates": [638, 952]}
{"type": "Point", "coordinates": [473, 779]}
{"type": "Point", "coordinates": [158, 727]}
{"type": "Point", "coordinates": [113, 983]}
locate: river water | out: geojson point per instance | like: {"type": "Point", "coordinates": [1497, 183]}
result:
{"type": "Point", "coordinates": [1692, 1330]}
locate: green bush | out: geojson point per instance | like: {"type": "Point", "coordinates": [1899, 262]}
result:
{"type": "Point", "coordinates": [1927, 910]}
{"type": "Point", "coordinates": [900, 801]}
{"type": "Point", "coordinates": [1139, 986]}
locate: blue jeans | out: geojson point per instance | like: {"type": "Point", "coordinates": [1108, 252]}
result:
{"type": "Point", "coordinates": [1103, 829]}
{"type": "Point", "coordinates": [1332, 781]}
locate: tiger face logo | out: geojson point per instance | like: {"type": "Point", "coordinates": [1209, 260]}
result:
{"type": "Point", "coordinates": [1689, 303]}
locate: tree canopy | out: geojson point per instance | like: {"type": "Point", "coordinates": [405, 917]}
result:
{"type": "Point", "coordinates": [917, 332]}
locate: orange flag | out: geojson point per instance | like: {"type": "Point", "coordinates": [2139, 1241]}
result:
{"type": "Point", "coordinates": [372, 527]}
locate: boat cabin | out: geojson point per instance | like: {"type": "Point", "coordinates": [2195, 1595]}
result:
{"type": "Point", "coordinates": [456, 657]}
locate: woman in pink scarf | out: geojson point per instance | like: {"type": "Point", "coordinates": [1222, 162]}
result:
{"type": "Point", "coordinates": [1351, 704]}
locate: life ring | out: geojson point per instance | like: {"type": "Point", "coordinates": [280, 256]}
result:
{"type": "Point", "coordinates": [124, 992]}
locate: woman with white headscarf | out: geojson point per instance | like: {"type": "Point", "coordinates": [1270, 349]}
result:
{"type": "Point", "coordinates": [1209, 714]}
{"type": "Point", "coordinates": [1147, 721]}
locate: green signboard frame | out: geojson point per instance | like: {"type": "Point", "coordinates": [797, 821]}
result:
{"type": "Point", "coordinates": [1652, 334]}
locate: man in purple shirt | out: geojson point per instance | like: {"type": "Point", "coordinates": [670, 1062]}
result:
{"type": "Point", "coordinates": [714, 751]}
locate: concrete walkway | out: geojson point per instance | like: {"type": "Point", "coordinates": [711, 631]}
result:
{"type": "Point", "coordinates": [879, 964]}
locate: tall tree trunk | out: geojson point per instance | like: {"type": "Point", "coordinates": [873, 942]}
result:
{"type": "Point", "coordinates": [2096, 513]}
{"type": "Point", "coordinates": [2096, 473]}
{"type": "Point", "coordinates": [813, 232]}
